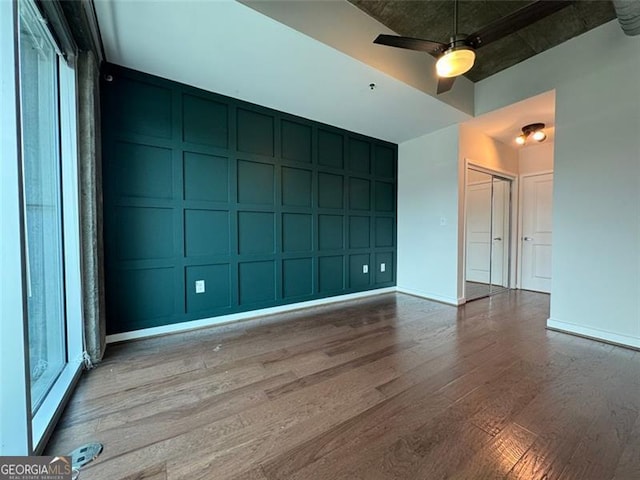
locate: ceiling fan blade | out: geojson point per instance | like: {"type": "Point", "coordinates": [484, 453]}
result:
{"type": "Point", "coordinates": [411, 43]}
{"type": "Point", "coordinates": [515, 21]}
{"type": "Point", "coordinates": [445, 84]}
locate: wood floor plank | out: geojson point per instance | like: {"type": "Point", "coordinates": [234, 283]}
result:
{"type": "Point", "coordinates": [425, 447]}
{"type": "Point", "coordinates": [387, 387]}
{"type": "Point", "coordinates": [259, 442]}
{"type": "Point", "coordinates": [390, 417]}
{"type": "Point", "coordinates": [448, 364]}
{"type": "Point", "coordinates": [561, 415]}
{"type": "Point", "coordinates": [253, 474]}
{"type": "Point", "coordinates": [165, 394]}
{"type": "Point", "coordinates": [337, 370]}
{"type": "Point", "coordinates": [629, 461]}
{"type": "Point", "coordinates": [156, 472]}
{"type": "Point", "coordinates": [216, 435]}
{"type": "Point", "coordinates": [155, 426]}
{"type": "Point", "coordinates": [499, 456]}
{"type": "Point", "coordinates": [613, 418]}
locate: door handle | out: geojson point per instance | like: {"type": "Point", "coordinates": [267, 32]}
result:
{"type": "Point", "coordinates": [527, 239]}
{"type": "Point", "coordinates": [498, 238]}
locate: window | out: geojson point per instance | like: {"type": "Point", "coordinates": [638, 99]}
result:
{"type": "Point", "coordinates": [42, 204]}
{"type": "Point", "coordinates": [40, 292]}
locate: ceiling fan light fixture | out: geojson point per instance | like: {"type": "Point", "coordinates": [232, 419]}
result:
{"type": "Point", "coordinates": [455, 61]}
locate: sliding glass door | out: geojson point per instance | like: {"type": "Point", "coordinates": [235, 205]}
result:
{"type": "Point", "coordinates": [40, 293]}
{"type": "Point", "coordinates": [42, 204]}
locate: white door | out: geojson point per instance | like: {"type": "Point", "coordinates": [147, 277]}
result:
{"type": "Point", "coordinates": [536, 232]}
{"type": "Point", "coordinates": [500, 232]}
{"type": "Point", "coordinates": [479, 231]}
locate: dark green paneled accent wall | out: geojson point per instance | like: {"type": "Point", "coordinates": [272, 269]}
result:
{"type": "Point", "coordinates": [263, 207]}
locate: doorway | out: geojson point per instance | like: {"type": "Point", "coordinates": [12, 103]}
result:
{"type": "Point", "coordinates": [487, 233]}
{"type": "Point", "coordinates": [536, 202]}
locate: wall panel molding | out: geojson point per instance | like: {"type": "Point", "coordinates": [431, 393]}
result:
{"type": "Point", "coordinates": [215, 206]}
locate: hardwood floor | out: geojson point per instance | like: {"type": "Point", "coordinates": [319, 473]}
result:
{"type": "Point", "coordinates": [390, 387]}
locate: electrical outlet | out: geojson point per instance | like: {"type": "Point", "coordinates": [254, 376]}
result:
{"type": "Point", "coordinates": [199, 286]}
{"type": "Point", "coordinates": [383, 267]}
{"type": "Point", "coordinates": [365, 268]}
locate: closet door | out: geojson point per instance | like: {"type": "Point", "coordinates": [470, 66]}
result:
{"type": "Point", "coordinates": [536, 232]}
{"type": "Point", "coordinates": [478, 234]}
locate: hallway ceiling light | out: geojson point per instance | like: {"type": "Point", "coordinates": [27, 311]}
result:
{"type": "Point", "coordinates": [533, 130]}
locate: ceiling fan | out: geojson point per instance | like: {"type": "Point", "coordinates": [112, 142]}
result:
{"type": "Point", "coordinates": [457, 57]}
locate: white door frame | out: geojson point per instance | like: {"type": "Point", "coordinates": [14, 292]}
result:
{"type": "Point", "coordinates": [515, 211]}
{"type": "Point", "coordinates": [520, 226]}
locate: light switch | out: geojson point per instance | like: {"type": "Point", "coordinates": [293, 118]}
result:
{"type": "Point", "coordinates": [365, 268]}
{"type": "Point", "coordinates": [443, 221]}
{"type": "Point", "coordinates": [199, 286]}
{"type": "Point", "coordinates": [383, 267]}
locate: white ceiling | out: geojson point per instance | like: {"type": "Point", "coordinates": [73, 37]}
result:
{"type": "Point", "coordinates": [506, 123]}
{"type": "Point", "coordinates": [348, 29]}
{"type": "Point", "coordinates": [229, 48]}
{"type": "Point", "coordinates": [226, 47]}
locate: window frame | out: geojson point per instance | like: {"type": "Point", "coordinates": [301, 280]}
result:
{"type": "Point", "coordinates": [21, 432]}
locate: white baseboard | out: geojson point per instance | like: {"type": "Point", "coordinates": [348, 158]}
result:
{"type": "Point", "coordinates": [431, 296]}
{"type": "Point", "coordinates": [594, 333]}
{"type": "Point", "coordinates": [234, 317]}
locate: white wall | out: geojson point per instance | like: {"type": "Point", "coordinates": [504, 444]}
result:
{"type": "Point", "coordinates": [428, 197]}
{"type": "Point", "coordinates": [596, 252]}
{"type": "Point", "coordinates": [485, 151]}
{"type": "Point", "coordinates": [535, 159]}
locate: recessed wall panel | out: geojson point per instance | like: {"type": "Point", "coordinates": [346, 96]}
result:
{"type": "Point", "coordinates": [330, 232]}
{"type": "Point", "coordinates": [144, 294]}
{"type": "Point", "coordinates": [206, 177]}
{"type": "Point", "coordinates": [143, 171]}
{"type": "Point", "coordinates": [359, 194]}
{"type": "Point", "coordinates": [255, 132]}
{"type": "Point", "coordinates": [359, 232]}
{"type": "Point", "coordinates": [144, 233]}
{"type": "Point", "coordinates": [205, 122]}
{"type": "Point", "coordinates": [296, 187]}
{"type": "Point", "coordinates": [330, 190]}
{"type": "Point", "coordinates": [297, 277]}
{"type": "Point", "coordinates": [385, 197]}
{"type": "Point", "coordinates": [142, 108]}
{"type": "Point", "coordinates": [296, 141]}
{"type": "Point", "coordinates": [384, 231]}
{"type": "Point", "coordinates": [359, 156]}
{"type": "Point", "coordinates": [216, 283]}
{"type": "Point", "coordinates": [357, 276]}
{"type": "Point", "coordinates": [330, 149]}
{"type": "Point", "coordinates": [256, 282]}
{"type": "Point", "coordinates": [255, 183]}
{"type": "Point", "coordinates": [330, 274]}
{"type": "Point", "coordinates": [206, 232]}
{"type": "Point", "coordinates": [256, 233]}
{"type": "Point", "coordinates": [296, 232]}
{"type": "Point", "coordinates": [384, 261]}
{"type": "Point", "coordinates": [385, 162]}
